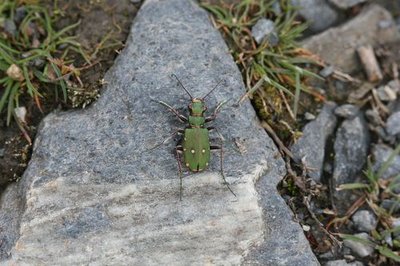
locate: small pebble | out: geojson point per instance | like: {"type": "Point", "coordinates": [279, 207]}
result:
{"type": "Point", "coordinates": [373, 117]}
{"type": "Point", "coordinates": [384, 24]}
{"type": "Point", "coordinates": [20, 14]}
{"type": "Point", "coordinates": [394, 85]}
{"type": "Point", "coordinates": [383, 134]}
{"type": "Point", "coordinates": [328, 167]}
{"type": "Point", "coordinates": [391, 205]}
{"type": "Point", "coordinates": [343, 263]}
{"type": "Point", "coordinates": [364, 221]}
{"type": "Point", "coordinates": [359, 248]}
{"type": "Point", "coordinates": [20, 113]}
{"type": "Point", "coordinates": [348, 111]}
{"type": "Point", "coordinates": [326, 71]}
{"type": "Point", "coordinates": [389, 240]}
{"type": "Point", "coordinates": [10, 27]}
{"type": "Point", "coordinates": [306, 227]}
{"type": "Point", "coordinates": [309, 116]}
{"type": "Point", "coordinates": [393, 124]}
{"type": "Point", "coordinates": [39, 63]}
{"type": "Point", "coordinates": [386, 93]}
{"type": "Point", "coordinates": [336, 263]}
{"type": "Point", "coordinates": [276, 7]}
{"type": "Point", "coordinates": [264, 29]}
{"type": "Point", "coordinates": [346, 4]}
{"type": "Point", "coordinates": [2, 150]}
{"type": "Point", "coordinates": [396, 224]}
{"type": "Point", "coordinates": [381, 154]}
{"type": "Point", "coordinates": [326, 256]}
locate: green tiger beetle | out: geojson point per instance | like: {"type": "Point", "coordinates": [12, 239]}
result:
{"type": "Point", "coordinates": [195, 145]}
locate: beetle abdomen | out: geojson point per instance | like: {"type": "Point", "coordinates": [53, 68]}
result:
{"type": "Point", "coordinates": [196, 149]}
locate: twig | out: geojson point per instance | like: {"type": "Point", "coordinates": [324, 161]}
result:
{"type": "Point", "coordinates": [280, 144]}
{"type": "Point", "coordinates": [306, 202]}
{"type": "Point", "coordinates": [293, 174]}
{"type": "Point", "coordinates": [370, 63]}
{"type": "Point", "coordinates": [287, 105]}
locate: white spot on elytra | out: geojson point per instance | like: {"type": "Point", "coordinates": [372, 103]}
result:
{"type": "Point", "coordinates": [187, 164]}
{"type": "Point", "coordinates": [203, 151]}
{"type": "Point", "coordinates": [192, 151]}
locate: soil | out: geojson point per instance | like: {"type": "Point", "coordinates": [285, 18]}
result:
{"type": "Point", "coordinates": [103, 29]}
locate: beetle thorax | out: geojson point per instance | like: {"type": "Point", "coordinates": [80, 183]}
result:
{"type": "Point", "coordinates": [197, 109]}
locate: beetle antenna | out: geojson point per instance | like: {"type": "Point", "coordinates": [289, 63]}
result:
{"type": "Point", "coordinates": [180, 83]}
{"type": "Point", "coordinates": [219, 82]}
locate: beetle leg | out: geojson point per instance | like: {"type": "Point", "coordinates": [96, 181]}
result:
{"type": "Point", "coordinates": [178, 151]}
{"type": "Point", "coordinates": [179, 131]}
{"type": "Point", "coordinates": [213, 147]}
{"type": "Point", "coordinates": [215, 113]}
{"type": "Point", "coordinates": [181, 117]}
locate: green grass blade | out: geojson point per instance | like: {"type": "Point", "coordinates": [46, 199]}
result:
{"type": "Point", "coordinates": [296, 95]}
{"type": "Point", "coordinates": [388, 253]}
{"type": "Point", "coordinates": [63, 85]}
{"type": "Point", "coordinates": [4, 97]}
{"type": "Point", "coordinates": [11, 102]}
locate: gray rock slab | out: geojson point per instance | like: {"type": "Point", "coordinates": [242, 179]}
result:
{"type": "Point", "coordinates": [313, 11]}
{"type": "Point", "coordinates": [338, 45]}
{"type": "Point", "coordinates": [96, 193]}
{"type": "Point", "coordinates": [12, 206]}
{"type": "Point", "coordinates": [310, 148]}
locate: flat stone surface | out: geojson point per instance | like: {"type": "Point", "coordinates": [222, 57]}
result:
{"type": "Point", "coordinates": [310, 148]}
{"type": "Point", "coordinates": [96, 193]}
{"type": "Point", "coordinates": [313, 11]}
{"type": "Point", "coordinates": [338, 45]}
